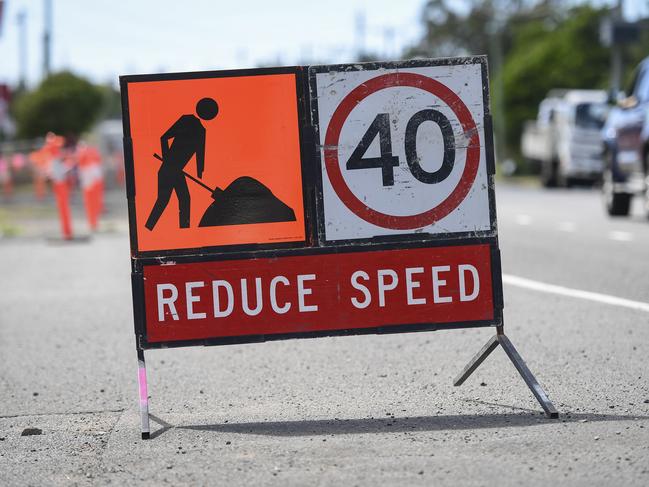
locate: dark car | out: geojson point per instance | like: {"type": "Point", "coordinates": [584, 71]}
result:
{"type": "Point", "coordinates": [626, 146]}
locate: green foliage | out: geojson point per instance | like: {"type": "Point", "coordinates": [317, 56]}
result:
{"type": "Point", "coordinates": [543, 58]}
{"type": "Point", "coordinates": [635, 52]}
{"type": "Point", "coordinates": [534, 46]}
{"type": "Point", "coordinates": [63, 103]}
{"type": "Point", "coordinates": [479, 27]}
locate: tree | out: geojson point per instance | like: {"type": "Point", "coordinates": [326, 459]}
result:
{"type": "Point", "coordinates": [533, 46]}
{"type": "Point", "coordinates": [484, 27]}
{"type": "Point", "coordinates": [543, 58]}
{"type": "Point", "coordinates": [472, 30]}
{"type": "Point", "coordinates": [63, 103]}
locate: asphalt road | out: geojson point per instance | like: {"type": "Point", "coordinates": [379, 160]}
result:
{"type": "Point", "coordinates": [373, 410]}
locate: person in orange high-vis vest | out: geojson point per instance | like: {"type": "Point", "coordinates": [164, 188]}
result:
{"type": "Point", "coordinates": [58, 172]}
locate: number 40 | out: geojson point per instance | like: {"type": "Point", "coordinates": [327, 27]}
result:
{"type": "Point", "coordinates": [387, 162]}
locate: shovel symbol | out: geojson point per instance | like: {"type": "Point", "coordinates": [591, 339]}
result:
{"type": "Point", "coordinates": [244, 201]}
{"type": "Point", "coordinates": [214, 192]}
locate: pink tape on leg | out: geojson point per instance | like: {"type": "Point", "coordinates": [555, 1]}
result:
{"type": "Point", "coordinates": [144, 394]}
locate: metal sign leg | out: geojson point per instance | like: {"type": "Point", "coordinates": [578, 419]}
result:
{"type": "Point", "coordinates": [475, 362]}
{"type": "Point", "coordinates": [144, 395]}
{"type": "Point", "coordinates": [519, 363]}
{"type": "Point", "coordinates": [528, 377]}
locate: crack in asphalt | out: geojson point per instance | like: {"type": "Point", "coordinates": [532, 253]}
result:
{"type": "Point", "coordinates": [71, 413]}
{"type": "Point", "coordinates": [102, 468]}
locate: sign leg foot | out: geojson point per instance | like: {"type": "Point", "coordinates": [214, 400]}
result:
{"type": "Point", "coordinates": [501, 339]}
{"type": "Point", "coordinates": [144, 395]}
{"type": "Point", "coordinates": [528, 377]}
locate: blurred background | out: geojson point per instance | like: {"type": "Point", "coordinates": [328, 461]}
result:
{"type": "Point", "coordinates": [567, 90]}
{"type": "Point", "coordinates": [570, 104]}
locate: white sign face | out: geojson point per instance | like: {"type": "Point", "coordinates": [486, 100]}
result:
{"type": "Point", "coordinates": [403, 151]}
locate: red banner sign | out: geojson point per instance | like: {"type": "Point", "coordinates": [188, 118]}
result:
{"type": "Point", "coordinates": [302, 294]}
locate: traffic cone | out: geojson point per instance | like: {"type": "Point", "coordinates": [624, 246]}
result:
{"type": "Point", "coordinates": [88, 185]}
{"type": "Point", "coordinates": [98, 176]}
{"type": "Point", "coordinates": [18, 161]}
{"type": "Point", "coordinates": [5, 178]}
{"type": "Point", "coordinates": [38, 161]}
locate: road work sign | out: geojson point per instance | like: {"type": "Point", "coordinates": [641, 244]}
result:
{"type": "Point", "coordinates": [310, 201]}
{"type": "Point", "coordinates": [214, 159]}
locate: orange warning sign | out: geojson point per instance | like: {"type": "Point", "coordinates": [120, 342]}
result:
{"type": "Point", "coordinates": [216, 161]}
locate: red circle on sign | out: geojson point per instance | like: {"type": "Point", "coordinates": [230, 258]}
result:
{"type": "Point", "coordinates": [332, 164]}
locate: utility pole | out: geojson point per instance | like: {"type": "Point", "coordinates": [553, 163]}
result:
{"type": "Point", "coordinates": [616, 50]}
{"type": "Point", "coordinates": [495, 29]}
{"type": "Point", "coordinates": [21, 20]}
{"type": "Point", "coordinates": [497, 68]}
{"type": "Point", "coordinates": [2, 14]}
{"type": "Point", "coordinates": [360, 34]}
{"type": "Point", "coordinates": [388, 42]}
{"type": "Point", "coordinates": [47, 37]}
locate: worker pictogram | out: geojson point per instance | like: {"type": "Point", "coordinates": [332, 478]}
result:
{"type": "Point", "coordinates": [184, 139]}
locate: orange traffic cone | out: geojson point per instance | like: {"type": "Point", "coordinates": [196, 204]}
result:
{"type": "Point", "coordinates": [88, 185]}
{"type": "Point", "coordinates": [5, 178]}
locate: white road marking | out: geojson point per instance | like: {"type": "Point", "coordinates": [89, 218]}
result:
{"type": "Point", "coordinates": [523, 219]}
{"type": "Point", "coordinates": [574, 293]}
{"type": "Point", "coordinates": [567, 226]}
{"type": "Point", "coordinates": [620, 236]}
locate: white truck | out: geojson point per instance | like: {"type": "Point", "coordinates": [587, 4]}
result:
{"type": "Point", "coordinates": [565, 138]}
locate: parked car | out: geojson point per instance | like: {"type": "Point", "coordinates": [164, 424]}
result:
{"type": "Point", "coordinates": [565, 140]}
{"type": "Point", "coordinates": [626, 146]}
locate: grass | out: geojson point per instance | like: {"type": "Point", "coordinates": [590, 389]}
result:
{"type": "Point", "coordinates": [7, 227]}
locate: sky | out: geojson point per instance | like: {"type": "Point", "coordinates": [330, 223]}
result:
{"type": "Point", "coordinates": [103, 39]}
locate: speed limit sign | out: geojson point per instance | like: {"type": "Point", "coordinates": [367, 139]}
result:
{"type": "Point", "coordinates": [403, 149]}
